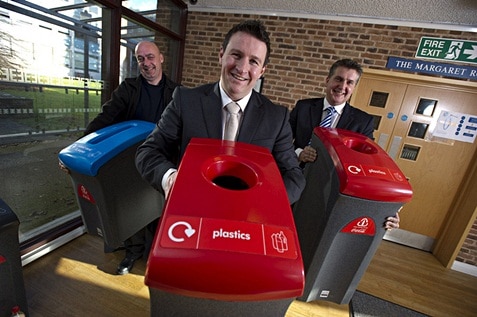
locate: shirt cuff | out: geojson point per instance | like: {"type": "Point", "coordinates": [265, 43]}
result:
{"type": "Point", "coordinates": [166, 176]}
{"type": "Point", "coordinates": [298, 151]}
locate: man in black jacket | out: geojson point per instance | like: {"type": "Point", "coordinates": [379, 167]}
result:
{"type": "Point", "coordinates": [142, 98]}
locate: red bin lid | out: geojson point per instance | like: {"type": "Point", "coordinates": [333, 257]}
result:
{"type": "Point", "coordinates": [227, 240]}
{"type": "Point", "coordinates": [364, 169]}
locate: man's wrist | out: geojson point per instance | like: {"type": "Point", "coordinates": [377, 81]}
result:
{"type": "Point", "coordinates": [165, 186]}
{"type": "Point", "coordinates": [298, 151]}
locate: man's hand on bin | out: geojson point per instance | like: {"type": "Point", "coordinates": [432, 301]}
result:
{"type": "Point", "coordinates": [392, 222]}
{"type": "Point", "coordinates": [307, 155]}
{"type": "Point", "coordinates": [63, 167]}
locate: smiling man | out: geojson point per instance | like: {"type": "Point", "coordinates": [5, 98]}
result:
{"type": "Point", "coordinates": [202, 112]}
{"type": "Point", "coordinates": [308, 113]}
{"type": "Point", "coordinates": [137, 98]}
{"type": "Point", "coordinates": [341, 81]}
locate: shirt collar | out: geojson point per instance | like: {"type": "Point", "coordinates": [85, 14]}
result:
{"type": "Point", "coordinates": [226, 99]}
{"type": "Point", "coordinates": [338, 108]}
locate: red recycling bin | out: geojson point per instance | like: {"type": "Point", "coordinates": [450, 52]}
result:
{"type": "Point", "coordinates": [226, 244]}
{"type": "Point", "coordinates": [351, 188]}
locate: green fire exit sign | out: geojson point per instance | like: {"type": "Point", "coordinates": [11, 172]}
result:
{"type": "Point", "coordinates": [447, 50]}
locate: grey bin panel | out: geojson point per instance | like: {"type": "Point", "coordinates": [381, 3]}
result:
{"type": "Point", "coordinates": [11, 276]}
{"type": "Point", "coordinates": [115, 201]}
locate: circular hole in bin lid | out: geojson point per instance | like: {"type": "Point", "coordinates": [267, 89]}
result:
{"type": "Point", "coordinates": [231, 175]}
{"type": "Point", "coordinates": [360, 146]}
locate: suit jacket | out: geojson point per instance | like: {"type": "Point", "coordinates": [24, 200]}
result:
{"type": "Point", "coordinates": [197, 113]}
{"type": "Point", "coordinates": [307, 115]}
{"type": "Point", "coordinates": [123, 103]}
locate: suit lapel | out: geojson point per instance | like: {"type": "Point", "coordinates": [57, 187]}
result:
{"type": "Point", "coordinates": [316, 112]}
{"type": "Point", "coordinates": [253, 115]}
{"type": "Point", "coordinates": [346, 117]}
{"type": "Point", "coordinates": [212, 111]}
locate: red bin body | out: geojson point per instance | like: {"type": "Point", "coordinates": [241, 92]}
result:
{"type": "Point", "coordinates": [227, 241]}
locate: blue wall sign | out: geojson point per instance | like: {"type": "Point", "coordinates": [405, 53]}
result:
{"type": "Point", "coordinates": [448, 70]}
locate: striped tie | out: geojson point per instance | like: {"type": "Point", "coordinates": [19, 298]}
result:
{"type": "Point", "coordinates": [326, 122]}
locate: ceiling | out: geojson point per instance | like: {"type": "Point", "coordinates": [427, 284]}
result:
{"type": "Point", "coordinates": [427, 13]}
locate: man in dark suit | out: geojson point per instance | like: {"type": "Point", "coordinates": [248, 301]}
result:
{"type": "Point", "coordinates": [341, 81]}
{"type": "Point", "coordinates": [308, 113]}
{"type": "Point", "coordinates": [200, 112]}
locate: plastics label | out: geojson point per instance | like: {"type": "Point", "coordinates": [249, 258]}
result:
{"type": "Point", "coordinates": [227, 235]}
{"type": "Point", "coordinates": [374, 171]}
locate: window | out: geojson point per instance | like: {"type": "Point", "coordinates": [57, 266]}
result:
{"type": "Point", "coordinates": [52, 83]}
{"type": "Point", "coordinates": [379, 99]}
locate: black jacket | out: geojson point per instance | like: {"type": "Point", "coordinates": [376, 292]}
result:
{"type": "Point", "coordinates": [307, 115]}
{"type": "Point", "coordinates": [197, 113]}
{"type": "Point", "coordinates": [123, 103]}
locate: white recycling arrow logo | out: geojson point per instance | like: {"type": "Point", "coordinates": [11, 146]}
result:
{"type": "Point", "coordinates": [189, 231]}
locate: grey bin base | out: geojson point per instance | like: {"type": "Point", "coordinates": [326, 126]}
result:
{"type": "Point", "coordinates": [174, 305]}
{"type": "Point", "coordinates": [334, 261]}
{"type": "Point", "coordinates": [123, 202]}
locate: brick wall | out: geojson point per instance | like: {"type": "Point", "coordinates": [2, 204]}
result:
{"type": "Point", "coordinates": [468, 252]}
{"type": "Point", "coordinates": [302, 52]}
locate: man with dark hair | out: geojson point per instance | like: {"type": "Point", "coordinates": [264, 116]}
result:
{"type": "Point", "coordinates": [308, 113]}
{"type": "Point", "coordinates": [251, 28]}
{"type": "Point", "coordinates": [203, 112]}
{"type": "Point", "coordinates": [341, 81]}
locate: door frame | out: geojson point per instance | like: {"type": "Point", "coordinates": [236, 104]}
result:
{"type": "Point", "coordinates": [462, 215]}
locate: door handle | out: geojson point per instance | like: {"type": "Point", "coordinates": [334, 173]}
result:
{"type": "Point", "coordinates": [394, 148]}
{"type": "Point", "coordinates": [383, 140]}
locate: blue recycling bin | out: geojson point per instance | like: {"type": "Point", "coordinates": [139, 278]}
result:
{"type": "Point", "coordinates": [351, 188]}
{"type": "Point", "coordinates": [11, 276]}
{"type": "Point", "coordinates": [115, 201]}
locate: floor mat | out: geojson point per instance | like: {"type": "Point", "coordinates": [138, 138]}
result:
{"type": "Point", "coordinates": [364, 305]}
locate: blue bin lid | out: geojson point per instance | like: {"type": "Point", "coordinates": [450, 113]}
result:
{"type": "Point", "coordinates": [88, 154]}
